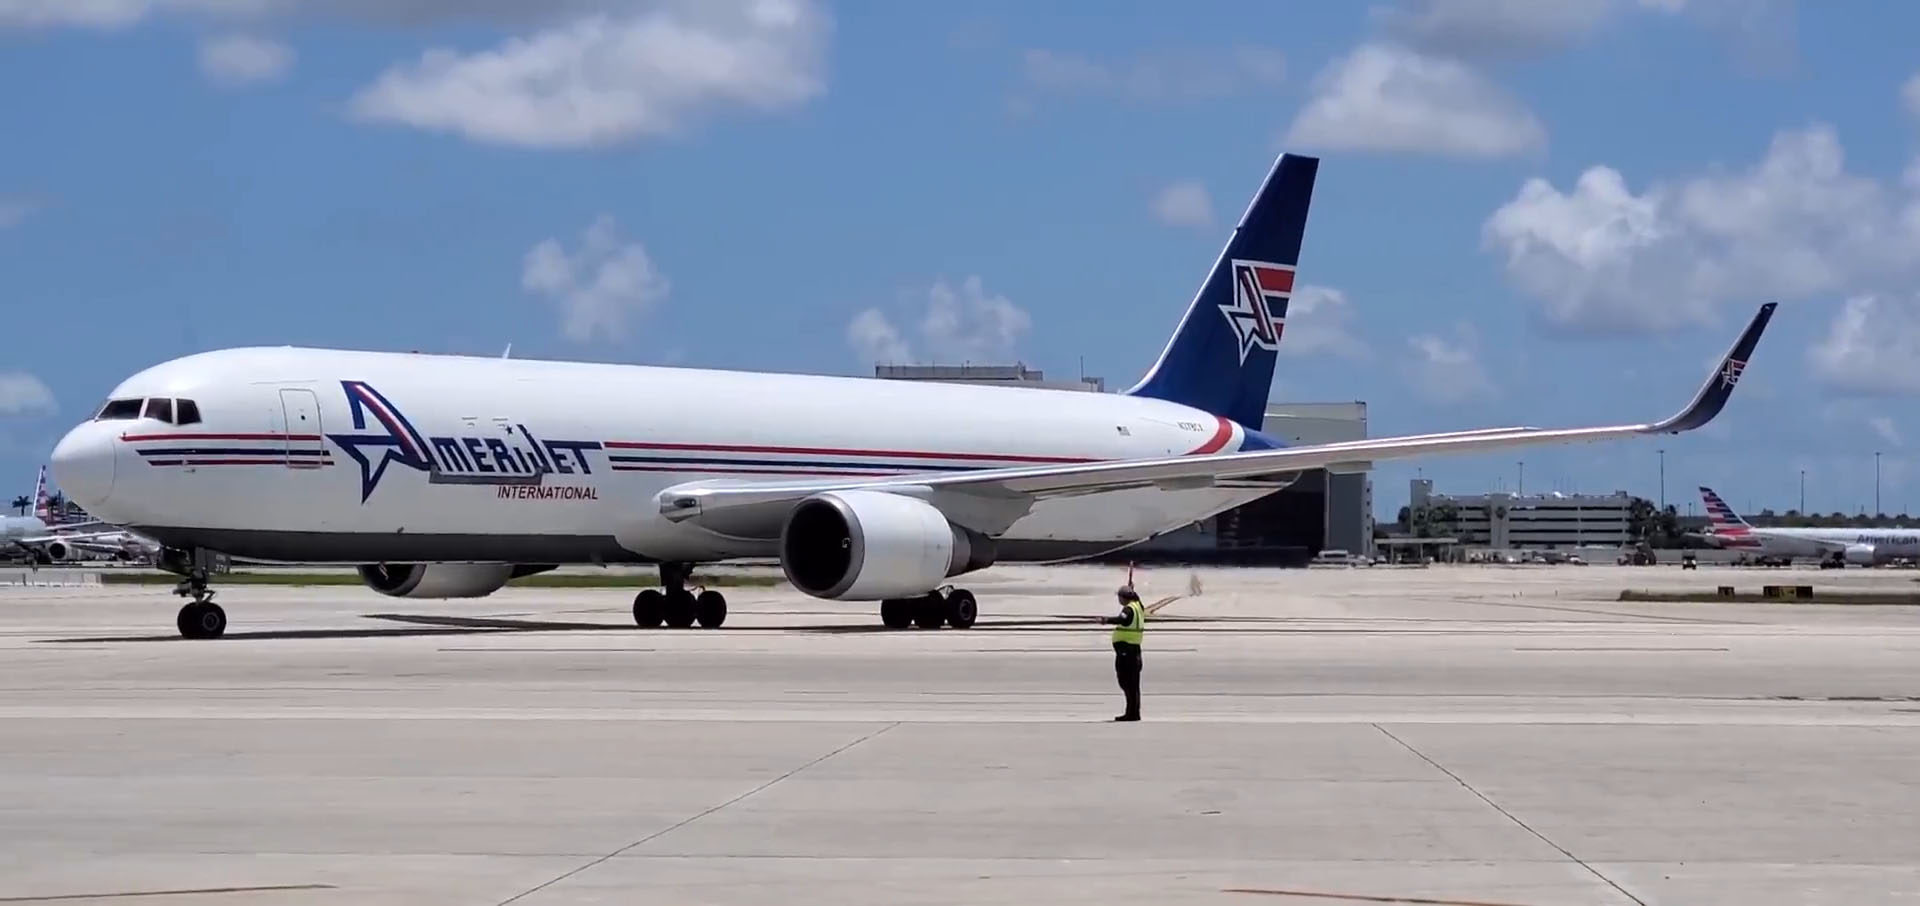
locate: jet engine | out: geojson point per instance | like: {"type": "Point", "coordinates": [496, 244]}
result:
{"type": "Point", "coordinates": [57, 551]}
{"type": "Point", "coordinates": [442, 580]}
{"type": "Point", "coordinates": [1859, 554]}
{"type": "Point", "coordinates": [874, 545]}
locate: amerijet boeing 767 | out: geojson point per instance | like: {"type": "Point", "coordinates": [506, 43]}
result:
{"type": "Point", "coordinates": [447, 476]}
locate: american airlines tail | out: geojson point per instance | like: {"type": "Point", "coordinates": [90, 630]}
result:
{"type": "Point", "coordinates": [42, 506]}
{"type": "Point", "coordinates": [1724, 522]}
{"type": "Point", "coordinates": [1221, 358]}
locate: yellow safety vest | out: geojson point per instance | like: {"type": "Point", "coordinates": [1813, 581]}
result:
{"type": "Point", "coordinates": [1133, 631]}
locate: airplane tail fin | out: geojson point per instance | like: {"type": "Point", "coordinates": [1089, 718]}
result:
{"type": "Point", "coordinates": [42, 506]}
{"type": "Point", "coordinates": [1221, 358]}
{"type": "Point", "coordinates": [1721, 516]}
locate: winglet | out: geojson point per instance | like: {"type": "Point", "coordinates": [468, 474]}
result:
{"type": "Point", "coordinates": [1718, 389]}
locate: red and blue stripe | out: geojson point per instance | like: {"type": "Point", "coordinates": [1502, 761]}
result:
{"type": "Point", "coordinates": [197, 449]}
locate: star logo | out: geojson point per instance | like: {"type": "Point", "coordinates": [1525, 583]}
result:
{"type": "Point", "coordinates": [1730, 373]}
{"type": "Point", "coordinates": [1258, 312]}
{"type": "Point", "coordinates": [397, 442]}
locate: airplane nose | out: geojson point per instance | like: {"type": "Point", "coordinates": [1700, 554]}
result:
{"type": "Point", "coordinates": [82, 465]}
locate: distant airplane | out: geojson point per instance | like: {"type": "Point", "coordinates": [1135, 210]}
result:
{"type": "Point", "coordinates": [447, 476]}
{"type": "Point", "coordinates": [1837, 546]}
{"type": "Point", "coordinates": [39, 537]}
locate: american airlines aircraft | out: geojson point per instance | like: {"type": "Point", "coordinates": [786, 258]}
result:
{"type": "Point", "coordinates": [447, 476]}
{"type": "Point", "coordinates": [1836, 546]}
{"type": "Point", "coordinates": [38, 537]}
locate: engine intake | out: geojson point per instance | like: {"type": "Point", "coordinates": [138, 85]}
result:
{"type": "Point", "coordinates": [442, 580]}
{"type": "Point", "coordinates": [873, 545]}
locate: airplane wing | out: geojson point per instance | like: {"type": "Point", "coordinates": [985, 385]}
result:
{"type": "Point", "coordinates": [988, 500]}
{"type": "Point", "coordinates": [78, 539]}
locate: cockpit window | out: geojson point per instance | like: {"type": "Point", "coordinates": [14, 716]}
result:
{"type": "Point", "coordinates": [186, 412]}
{"type": "Point", "coordinates": [160, 409]}
{"type": "Point", "coordinates": [119, 410]}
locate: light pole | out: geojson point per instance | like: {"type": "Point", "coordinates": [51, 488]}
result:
{"type": "Point", "coordinates": [1663, 478]}
{"type": "Point", "coordinates": [1876, 484]}
{"type": "Point", "coordinates": [1520, 486]}
{"type": "Point", "coordinates": [1803, 492]}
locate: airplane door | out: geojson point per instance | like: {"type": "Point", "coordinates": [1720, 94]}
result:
{"type": "Point", "coordinates": [305, 446]}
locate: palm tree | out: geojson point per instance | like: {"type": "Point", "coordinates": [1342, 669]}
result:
{"type": "Point", "coordinates": [21, 503]}
{"type": "Point", "coordinates": [1640, 515]}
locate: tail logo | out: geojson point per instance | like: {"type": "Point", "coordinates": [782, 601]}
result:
{"type": "Point", "coordinates": [1730, 374]}
{"type": "Point", "coordinates": [1258, 312]}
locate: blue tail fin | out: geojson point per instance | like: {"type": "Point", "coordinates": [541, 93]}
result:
{"type": "Point", "coordinates": [1221, 358]}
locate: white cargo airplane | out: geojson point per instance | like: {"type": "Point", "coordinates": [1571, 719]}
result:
{"type": "Point", "coordinates": [446, 476]}
{"type": "Point", "coordinates": [1835, 546]}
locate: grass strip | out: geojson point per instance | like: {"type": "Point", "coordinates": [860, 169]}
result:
{"type": "Point", "coordinates": [1755, 597]}
{"type": "Point", "coordinates": [537, 580]}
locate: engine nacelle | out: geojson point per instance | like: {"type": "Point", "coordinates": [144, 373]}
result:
{"type": "Point", "coordinates": [58, 550]}
{"type": "Point", "coordinates": [873, 545]}
{"type": "Point", "coordinates": [442, 580]}
{"type": "Point", "coordinates": [1859, 554]}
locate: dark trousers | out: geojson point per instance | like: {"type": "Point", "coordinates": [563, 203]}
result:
{"type": "Point", "coordinates": [1126, 669]}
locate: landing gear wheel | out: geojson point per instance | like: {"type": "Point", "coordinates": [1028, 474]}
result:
{"type": "Point", "coordinates": [680, 610]}
{"type": "Point", "coordinates": [201, 620]}
{"type": "Point", "coordinates": [896, 613]}
{"type": "Point", "coordinates": [961, 608]}
{"type": "Point", "coordinates": [649, 608]}
{"type": "Point", "coordinates": [930, 611]}
{"type": "Point", "coordinates": [710, 608]}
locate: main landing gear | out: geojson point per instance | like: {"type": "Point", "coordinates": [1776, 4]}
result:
{"type": "Point", "coordinates": [945, 606]}
{"type": "Point", "coordinates": [676, 606]}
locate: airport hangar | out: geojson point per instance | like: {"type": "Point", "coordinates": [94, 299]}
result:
{"type": "Point", "coordinates": [1320, 511]}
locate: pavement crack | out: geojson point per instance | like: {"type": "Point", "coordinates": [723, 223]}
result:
{"type": "Point", "coordinates": [1509, 815]}
{"type": "Point", "coordinates": [691, 819]}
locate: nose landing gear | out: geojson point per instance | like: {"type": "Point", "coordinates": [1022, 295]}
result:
{"type": "Point", "coordinates": [199, 618]}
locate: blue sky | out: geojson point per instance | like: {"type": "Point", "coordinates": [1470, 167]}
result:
{"type": "Point", "coordinates": [1527, 212]}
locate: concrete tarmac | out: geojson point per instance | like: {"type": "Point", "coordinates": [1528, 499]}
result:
{"type": "Point", "coordinates": [1485, 735]}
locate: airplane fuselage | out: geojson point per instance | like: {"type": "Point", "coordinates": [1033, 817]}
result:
{"type": "Point", "coordinates": [21, 527]}
{"type": "Point", "coordinates": [365, 457]}
{"type": "Point", "coordinates": [1887, 544]}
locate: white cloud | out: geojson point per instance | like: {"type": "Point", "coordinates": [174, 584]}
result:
{"type": "Point", "coordinates": [964, 323]}
{"type": "Point", "coordinates": [1165, 76]}
{"type": "Point", "coordinates": [12, 212]}
{"type": "Point", "coordinates": [1884, 427]}
{"type": "Point", "coordinates": [1387, 97]}
{"type": "Point", "coordinates": [111, 14]}
{"type": "Point", "coordinates": [1793, 226]}
{"type": "Point", "coordinates": [234, 60]}
{"type": "Point", "coordinates": [1872, 347]}
{"type": "Point", "coordinates": [876, 338]}
{"type": "Point", "coordinates": [1518, 28]}
{"type": "Point", "coordinates": [598, 287]}
{"type": "Point", "coordinates": [1185, 203]}
{"type": "Point", "coordinates": [606, 79]}
{"type": "Point", "coordinates": [1447, 369]}
{"type": "Point", "coordinates": [23, 394]}
{"type": "Point", "coordinates": [1320, 320]}
{"type": "Point", "coordinates": [1495, 27]}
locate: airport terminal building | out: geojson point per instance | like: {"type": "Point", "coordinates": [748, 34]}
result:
{"type": "Point", "coordinates": [1318, 512]}
{"type": "Point", "coordinates": [1536, 521]}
